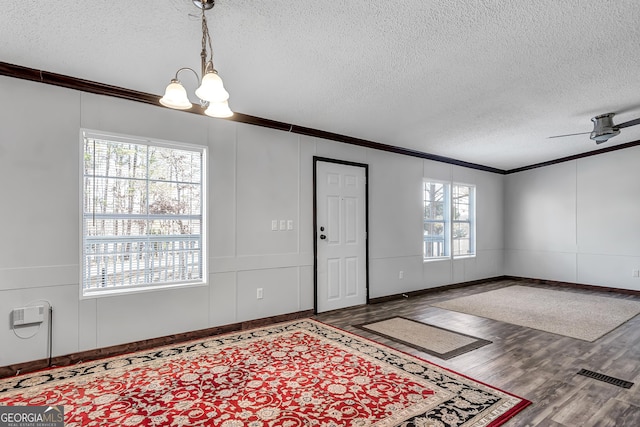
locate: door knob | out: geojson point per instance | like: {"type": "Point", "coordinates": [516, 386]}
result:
{"type": "Point", "coordinates": [322, 237]}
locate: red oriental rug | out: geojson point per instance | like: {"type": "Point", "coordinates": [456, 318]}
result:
{"type": "Point", "coordinates": [302, 373]}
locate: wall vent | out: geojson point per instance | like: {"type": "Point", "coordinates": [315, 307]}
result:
{"type": "Point", "coordinates": [605, 378]}
{"type": "Point", "coordinates": [28, 315]}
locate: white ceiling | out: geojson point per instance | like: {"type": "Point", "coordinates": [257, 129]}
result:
{"type": "Point", "coordinates": [482, 81]}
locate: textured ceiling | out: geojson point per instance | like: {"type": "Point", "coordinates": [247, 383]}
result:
{"type": "Point", "coordinates": [475, 80]}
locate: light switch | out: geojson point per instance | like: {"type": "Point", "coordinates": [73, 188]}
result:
{"type": "Point", "coordinates": [274, 225]}
{"type": "Point", "coordinates": [289, 224]}
{"type": "Point", "coordinates": [283, 224]}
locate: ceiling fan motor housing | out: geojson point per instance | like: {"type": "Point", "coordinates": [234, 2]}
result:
{"type": "Point", "coordinates": [603, 128]}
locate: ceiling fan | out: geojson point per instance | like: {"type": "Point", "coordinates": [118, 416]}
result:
{"type": "Point", "coordinates": [603, 128]}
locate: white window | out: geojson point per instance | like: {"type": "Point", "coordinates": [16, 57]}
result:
{"type": "Point", "coordinates": [143, 214]}
{"type": "Point", "coordinates": [436, 220]}
{"type": "Point", "coordinates": [449, 220]}
{"type": "Point", "coordinates": [463, 220]}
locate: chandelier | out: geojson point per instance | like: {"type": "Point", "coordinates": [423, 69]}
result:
{"type": "Point", "coordinates": [213, 97]}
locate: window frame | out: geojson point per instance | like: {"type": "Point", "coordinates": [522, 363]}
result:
{"type": "Point", "coordinates": [471, 220]}
{"type": "Point", "coordinates": [451, 222]}
{"type": "Point", "coordinates": [446, 239]}
{"type": "Point", "coordinates": [86, 293]}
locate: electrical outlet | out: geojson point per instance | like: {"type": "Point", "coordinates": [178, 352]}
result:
{"type": "Point", "coordinates": [401, 275]}
{"type": "Point", "coordinates": [259, 293]}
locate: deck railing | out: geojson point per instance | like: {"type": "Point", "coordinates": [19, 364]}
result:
{"type": "Point", "coordinates": [133, 261]}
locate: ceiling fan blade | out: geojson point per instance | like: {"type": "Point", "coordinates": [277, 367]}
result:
{"type": "Point", "coordinates": [629, 123]}
{"type": "Point", "coordinates": [570, 134]}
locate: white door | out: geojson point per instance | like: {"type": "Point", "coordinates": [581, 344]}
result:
{"type": "Point", "coordinates": [341, 236]}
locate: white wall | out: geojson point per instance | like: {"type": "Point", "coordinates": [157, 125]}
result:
{"type": "Point", "coordinates": [395, 218]}
{"type": "Point", "coordinates": [255, 175]}
{"type": "Point", "coordinates": [577, 221]}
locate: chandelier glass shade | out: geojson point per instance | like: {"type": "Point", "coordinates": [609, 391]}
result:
{"type": "Point", "coordinates": [175, 96]}
{"type": "Point", "coordinates": [219, 109]}
{"type": "Point", "coordinates": [213, 96]}
{"type": "Point", "coordinates": [212, 89]}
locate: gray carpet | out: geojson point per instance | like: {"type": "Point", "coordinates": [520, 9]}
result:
{"type": "Point", "coordinates": [430, 339]}
{"type": "Point", "coordinates": [583, 316]}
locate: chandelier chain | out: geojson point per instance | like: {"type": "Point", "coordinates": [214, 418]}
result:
{"type": "Point", "coordinates": [206, 40]}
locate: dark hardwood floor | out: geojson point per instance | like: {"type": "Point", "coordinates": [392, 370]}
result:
{"type": "Point", "coordinates": [539, 366]}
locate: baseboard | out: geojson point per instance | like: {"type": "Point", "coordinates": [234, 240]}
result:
{"type": "Point", "coordinates": [597, 288]}
{"type": "Point", "coordinates": [116, 350]}
{"type": "Point", "coordinates": [432, 290]}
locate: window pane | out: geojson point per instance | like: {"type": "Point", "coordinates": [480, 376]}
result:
{"type": "Point", "coordinates": [142, 214]}
{"type": "Point", "coordinates": [463, 230]}
{"type": "Point", "coordinates": [170, 164]}
{"type": "Point", "coordinates": [461, 238]}
{"type": "Point", "coordinates": [434, 210]}
{"type": "Point", "coordinates": [105, 158]}
{"type": "Point", "coordinates": [170, 226]}
{"type": "Point", "coordinates": [434, 239]}
{"type": "Point", "coordinates": [109, 227]}
{"type": "Point", "coordinates": [174, 198]}
{"type": "Point", "coordinates": [460, 202]}
{"type": "Point", "coordinates": [436, 229]}
{"type": "Point", "coordinates": [112, 195]}
{"type": "Point", "coordinates": [461, 247]}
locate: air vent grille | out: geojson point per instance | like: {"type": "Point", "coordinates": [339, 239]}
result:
{"type": "Point", "coordinates": [605, 378]}
{"type": "Point", "coordinates": [28, 315]}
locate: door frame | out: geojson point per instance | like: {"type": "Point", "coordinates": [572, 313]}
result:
{"type": "Point", "coordinates": [317, 159]}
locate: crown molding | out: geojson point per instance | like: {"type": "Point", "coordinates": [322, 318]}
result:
{"type": "Point", "coordinates": [46, 77]}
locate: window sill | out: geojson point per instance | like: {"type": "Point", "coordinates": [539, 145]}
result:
{"type": "Point", "coordinates": [114, 292]}
{"type": "Point", "coordinates": [448, 258]}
